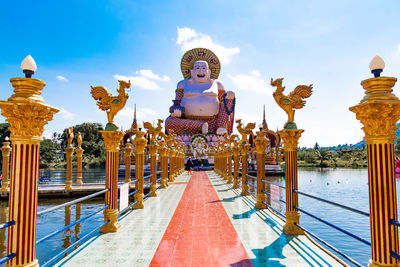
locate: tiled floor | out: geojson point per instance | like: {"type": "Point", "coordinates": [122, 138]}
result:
{"type": "Point", "coordinates": [137, 240]}
{"type": "Point", "coordinates": [201, 223]}
{"type": "Point", "coordinates": [200, 232]}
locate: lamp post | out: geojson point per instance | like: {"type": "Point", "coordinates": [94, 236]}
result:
{"type": "Point", "coordinates": [235, 150]}
{"type": "Point", "coordinates": [379, 111]}
{"type": "Point", "coordinates": [27, 113]}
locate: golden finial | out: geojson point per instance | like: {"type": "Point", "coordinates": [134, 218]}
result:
{"type": "Point", "coordinates": [109, 103]}
{"type": "Point", "coordinates": [292, 101]}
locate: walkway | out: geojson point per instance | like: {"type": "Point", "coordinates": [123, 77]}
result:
{"type": "Point", "coordinates": [199, 221]}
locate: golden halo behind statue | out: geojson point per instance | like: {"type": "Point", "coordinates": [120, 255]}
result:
{"type": "Point", "coordinates": [191, 56]}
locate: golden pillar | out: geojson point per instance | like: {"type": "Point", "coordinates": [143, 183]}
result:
{"type": "Point", "coordinates": [163, 150]}
{"type": "Point", "coordinates": [139, 143]}
{"type": "Point", "coordinates": [225, 163]}
{"type": "Point", "coordinates": [235, 151]}
{"type": "Point", "coordinates": [261, 145]}
{"type": "Point", "coordinates": [112, 140]}
{"type": "Point", "coordinates": [79, 152]}
{"type": "Point", "coordinates": [229, 167]}
{"type": "Point", "coordinates": [379, 111]}
{"type": "Point", "coordinates": [170, 159]}
{"type": "Point", "coordinates": [244, 148]}
{"type": "Point", "coordinates": [153, 169]}
{"type": "Point", "coordinates": [68, 180]}
{"type": "Point", "coordinates": [290, 139]}
{"type": "Point", "coordinates": [127, 161]}
{"type": "Point", "coordinates": [5, 152]}
{"type": "Point", "coordinates": [27, 113]}
{"type": "Point", "coordinates": [173, 163]}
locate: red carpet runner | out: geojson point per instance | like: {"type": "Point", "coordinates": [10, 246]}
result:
{"type": "Point", "coordinates": [200, 232]}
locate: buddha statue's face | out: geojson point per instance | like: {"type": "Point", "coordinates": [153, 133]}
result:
{"type": "Point", "coordinates": [200, 72]}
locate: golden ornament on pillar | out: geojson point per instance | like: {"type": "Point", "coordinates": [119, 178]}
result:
{"type": "Point", "coordinates": [109, 103]}
{"type": "Point", "coordinates": [292, 101]}
{"type": "Point", "coordinates": [379, 112]}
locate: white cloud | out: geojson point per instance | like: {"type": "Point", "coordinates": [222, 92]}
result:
{"type": "Point", "coordinates": [189, 38]}
{"type": "Point", "coordinates": [252, 82]}
{"type": "Point", "coordinates": [151, 75]}
{"type": "Point", "coordinates": [145, 79]}
{"type": "Point", "coordinates": [65, 114]}
{"type": "Point", "coordinates": [61, 78]}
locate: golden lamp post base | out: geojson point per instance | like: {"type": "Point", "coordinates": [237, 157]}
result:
{"type": "Point", "coordinates": [139, 200]}
{"type": "Point", "coordinates": [260, 199]}
{"type": "Point", "coordinates": [153, 189]}
{"type": "Point", "coordinates": [79, 181]}
{"type": "Point", "coordinates": [236, 184]}
{"type": "Point", "coordinates": [290, 228]}
{"type": "Point", "coordinates": [244, 190]}
{"type": "Point", "coordinates": [113, 225]}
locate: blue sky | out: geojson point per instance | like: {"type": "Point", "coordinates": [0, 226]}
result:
{"type": "Point", "coordinates": [80, 43]}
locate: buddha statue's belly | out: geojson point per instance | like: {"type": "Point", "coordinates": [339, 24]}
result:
{"type": "Point", "coordinates": [200, 105]}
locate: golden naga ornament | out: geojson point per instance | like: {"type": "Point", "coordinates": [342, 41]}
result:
{"type": "Point", "coordinates": [292, 101]}
{"type": "Point", "coordinates": [153, 131]}
{"type": "Point", "coordinates": [244, 132]}
{"type": "Point", "coordinates": [109, 103]}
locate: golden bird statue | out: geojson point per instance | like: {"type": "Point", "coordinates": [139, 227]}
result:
{"type": "Point", "coordinates": [244, 131]}
{"type": "Point", "coordinates": [292, 101]}
{"type": "Point", "coordinates": [109, 103]}
{"type": "Point", "coordinates": [154, 131]}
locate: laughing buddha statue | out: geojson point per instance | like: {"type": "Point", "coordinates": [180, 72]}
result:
{"type": "Point", "coordinates": [201, 104]}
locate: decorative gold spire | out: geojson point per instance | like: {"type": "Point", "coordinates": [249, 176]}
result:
{"type": "Point", "coordinates": [264, 122]}
{"type": "Point", "coordinates": [134, 125]}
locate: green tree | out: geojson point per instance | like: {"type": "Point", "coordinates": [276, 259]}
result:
{"type": "Point", "coordinates": [48, 152]}
{"type": "Point", "coordinates": [322, 154]}
{"type": "Point", "coordinates": [92, 143]}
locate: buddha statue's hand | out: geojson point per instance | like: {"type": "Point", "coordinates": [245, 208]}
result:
{"type": "Point", "coordinates": [230, 95]}
{"type": "Point", "coordinates": [176, 114]}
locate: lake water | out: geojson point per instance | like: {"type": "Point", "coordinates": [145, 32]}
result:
{"type": "Point", "coordinates": [345, 186]}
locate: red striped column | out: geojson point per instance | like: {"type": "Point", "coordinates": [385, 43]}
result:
{"type": "Point", "coordinates": [27, 113]}
{"type": "Point", "coordinates": [139, 143]}
{"type": "Point", "coordinates": [112, 140]}
{"type": "Point", "coordinates": [290, 139]}
{"type": "Point", "coordinates": [379, 111]}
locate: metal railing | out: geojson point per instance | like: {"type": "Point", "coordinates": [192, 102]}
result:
{"type": "Point", "coordinates": [329, 245]}
{"type": "Point", "coordinates": [71, 247]}
{"type": "Point", "coordinates": [73, 202]}
{"type": "Point", "coordinates": [333, 203]}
